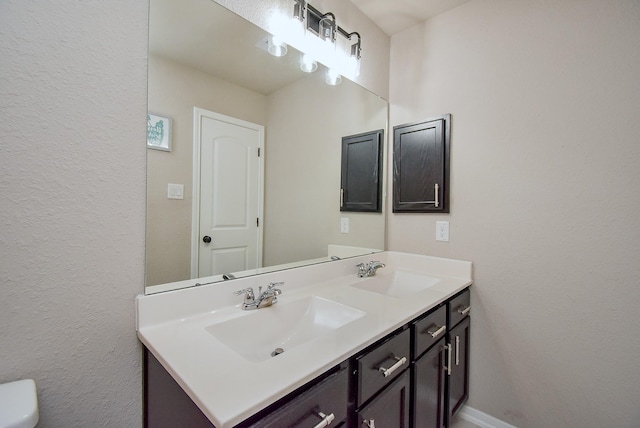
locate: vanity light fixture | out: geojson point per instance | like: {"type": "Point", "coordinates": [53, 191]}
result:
{"type": "Point", "coordinates": [321, 31]}
{"type": "Point", "coordinates": [327, 27]}
{"type": "Point", "coordinates": [300, 10]}
{"type": "Point", "coordinates": [356, 53]}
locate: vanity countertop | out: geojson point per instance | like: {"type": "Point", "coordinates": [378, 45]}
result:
{"type": "Point", "coordinates": [228, 387]}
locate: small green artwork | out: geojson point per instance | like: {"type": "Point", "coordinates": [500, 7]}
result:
{"type": "Point", "coordinates": [158, 132]}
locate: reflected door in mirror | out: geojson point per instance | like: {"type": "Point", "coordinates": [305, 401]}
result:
{"type": "Point", "coordinates": [229, 236]}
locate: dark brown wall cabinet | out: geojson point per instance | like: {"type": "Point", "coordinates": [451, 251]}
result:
{"type": "Point", "coordinates": [421, 166]}
{"type": "Point", "coordinates": [361, 177]}
{"type": "Point", "coordinates": [416, 377]}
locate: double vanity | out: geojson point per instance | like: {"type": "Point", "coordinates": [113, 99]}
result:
{"type": "Point", "coordinates": [332, 344]}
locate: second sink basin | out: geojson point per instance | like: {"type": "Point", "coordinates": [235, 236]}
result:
{"type": "Point", "coordinates": [256, 334]}
{"type": "Point", "coordinates": [396, 283]}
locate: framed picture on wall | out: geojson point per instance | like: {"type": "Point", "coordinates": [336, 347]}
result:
{"type": "Point", "coordinates": [158, 132]}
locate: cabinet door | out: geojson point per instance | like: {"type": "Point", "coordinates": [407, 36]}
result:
{"type": "Point", "coordinates": [361, 177]}
{"type": "Point", "coordinates": [428, 388]}
{"type": "Point", "coordinates": [421, 166]}
{"type": "Point", "coordinates": [459, 379]}
{"type": "Point", "coordinates": [390, 408]}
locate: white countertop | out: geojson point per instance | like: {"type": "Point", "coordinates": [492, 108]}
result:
{"type": "Point", "coordinates": [229, 388]}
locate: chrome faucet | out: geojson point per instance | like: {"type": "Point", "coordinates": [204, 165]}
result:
{"type": "Point", "coordinates": [267, 298]}
{"type": "Point", "coordinates": [369, 269]}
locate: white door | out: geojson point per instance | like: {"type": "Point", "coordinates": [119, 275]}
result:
{"type": "Point", "coordinates": [229, 184]}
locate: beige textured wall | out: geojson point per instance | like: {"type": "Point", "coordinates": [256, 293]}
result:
{"type": "Point", "coordinates": [173, 91]}
{"type": "Point", "coordinates": [72, 185]}
{"type": "Point", "coordinates": [307, 121]}
{"type": "Point", "coordinates": [544, 198]}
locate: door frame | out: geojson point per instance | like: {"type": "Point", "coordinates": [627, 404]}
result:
{"type": "Point", "coordinates": [198, 113]}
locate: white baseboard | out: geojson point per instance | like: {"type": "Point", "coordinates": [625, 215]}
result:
{"type": "Point", "coordinates": [482, 419]}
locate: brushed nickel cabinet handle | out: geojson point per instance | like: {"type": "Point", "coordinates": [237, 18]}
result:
{"type": "Point", "coordinates": [326, 420]}
{"type": "Point", "coordinates": [436, 188]}
{"type": "Point", "coordinates": [370, 423]}
{"type": "Point", "coordinates": [436, 331]}
{"type": "Point", "coordinates": [457, 350]}
{"type": "Point", "coordinates": [393, 368]}
{"type": "Point", "coordinates": [464, 310]}
{"type": "Point", "coordinates": [448, 349]}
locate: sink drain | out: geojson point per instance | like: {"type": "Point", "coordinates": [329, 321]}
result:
{"type": "Point", "coordinates": [277, 351]}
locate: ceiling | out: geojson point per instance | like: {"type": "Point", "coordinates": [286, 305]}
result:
{"type": "Point", "coordinates": [394, 16]}
{"type": "Point", "coordinates": [207, 37]}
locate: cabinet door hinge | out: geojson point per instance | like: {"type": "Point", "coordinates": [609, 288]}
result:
{"type": "Point", "coordinates": [258, 151]}
{"type": "Point", "coordinates": [258, 222]}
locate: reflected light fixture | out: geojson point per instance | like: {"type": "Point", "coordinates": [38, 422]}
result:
{"type": "Point", "coordinates": [276, 46]}
{"type": "Point", "coordinates": [308, 64]}
{"type": "Point", "coordinates": [333, 78]}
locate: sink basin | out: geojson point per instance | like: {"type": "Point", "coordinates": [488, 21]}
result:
{"type": "Point", "coordinates": [256, 334]}
{"type": "Point", "coordinates": [397, 283]}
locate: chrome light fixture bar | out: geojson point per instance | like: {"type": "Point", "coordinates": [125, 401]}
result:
{"type": "Point", "coordinates": [325, 27]}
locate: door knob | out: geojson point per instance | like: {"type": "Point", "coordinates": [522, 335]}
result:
{"type": "Point", "coordinates": [206, 239]}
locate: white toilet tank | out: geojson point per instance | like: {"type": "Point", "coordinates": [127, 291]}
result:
{"type": "Point", "coordinates": [18, 404]}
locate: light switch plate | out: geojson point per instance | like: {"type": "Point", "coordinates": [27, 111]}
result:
{"type": "Point", "coordinates": [442, 231]}
{"type": "Point", "coordinates": [175, 191]}
{"type": "Point", "coordinates": [344, 224]}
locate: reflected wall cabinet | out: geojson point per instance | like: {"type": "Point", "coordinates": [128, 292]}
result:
{"type": "Point", "coordinates": [361, 177]}
{"type": "Point", "coordinates": [421, 166]}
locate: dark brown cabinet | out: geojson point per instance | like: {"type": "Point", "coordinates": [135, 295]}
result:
{"type": "Point", "coordinates": [361, 175]}
{"type": "Point", "coordinates": [378, 366]}
{"type": "Point", "coordinates": [416, 377]}
{"type": "Point", "coordinates": [459, 379]}
{"type": "Point", "coordinates": [421, 166]}
{"type": "Point", "coordinates": [428, 387]}
{"type": "Point", "coordinates": [325, 402]}
{"type": "Point", "coordinates": [390, 408]}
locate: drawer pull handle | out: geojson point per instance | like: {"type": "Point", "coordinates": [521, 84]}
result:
{"type": "Point", "coordinates": [436, 331]}
{"type": "Point", "coordinates": [393, 368]}
{"type": "Point", "coordinates": [462, 310]}
{"type": "Point", "coordinates": [326, 420]}
{"type": "Point", "coordinates": [370, 423]}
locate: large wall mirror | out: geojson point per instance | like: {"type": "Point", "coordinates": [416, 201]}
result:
{"type": "Point", "coordinates": [204, 58]}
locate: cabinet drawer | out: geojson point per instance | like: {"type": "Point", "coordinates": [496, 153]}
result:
{"type": "Point", "coordinates": [328, 399]}
{"type": "Point", "coordinates": [382, 364]}
{"type": "Point", "coordinates": [459, 308]}
{"type": "Point", "coordinates": [429, 330]}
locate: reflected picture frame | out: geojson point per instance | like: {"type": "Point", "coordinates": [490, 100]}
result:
{"type": "Point", "coordinates": [158, 132]}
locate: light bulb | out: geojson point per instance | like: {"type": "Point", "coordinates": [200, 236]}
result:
{"type": "Point", "coordinates": [333, 78]}
{"type": "Point", "coordinates": [308, 64]}
{"type": "Point", "coordinates": [277, 47]}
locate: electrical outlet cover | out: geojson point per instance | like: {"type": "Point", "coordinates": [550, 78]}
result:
{"type": "Point", "coordinates": [442, 231]}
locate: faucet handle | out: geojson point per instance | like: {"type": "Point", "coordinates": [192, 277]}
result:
{"type": "Point", "coordinates": [248, 293]}
{"type": "Point", "coordinates": [362, 269]}
{"type": "Point", "coordinates": [275, 284]}
{"type": "Point", "coordinates": [272, 287]}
